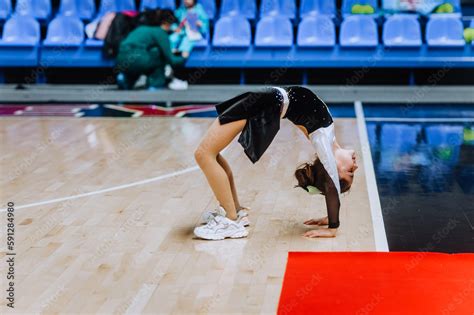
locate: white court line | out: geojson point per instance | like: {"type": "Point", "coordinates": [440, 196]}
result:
{"type": "Point", "coordinates": [381, 244]}
{"type": "Point", "coordinates": [96, 192]}
{"type": "Point", "coordinates": [199, 110]}
{"type": "Point", "coordinates": [397, 119]}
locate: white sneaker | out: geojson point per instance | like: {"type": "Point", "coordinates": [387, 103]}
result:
{"type": "Point", "coordinates": [178, 85]}
{"type": "Point", "coordinates": [242, 216]}
{"type": "Point", "coordinates": [168, 71]}
{"type": "Point", "coordinates": [220, 228]}
{"type": "Point", "coordinates": [141, 82]}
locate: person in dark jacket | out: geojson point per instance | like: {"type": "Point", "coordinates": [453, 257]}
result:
{"type": "Point", "coordinates": [147, 50]}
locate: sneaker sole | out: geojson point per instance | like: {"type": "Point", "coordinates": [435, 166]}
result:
{"type": "Point", "coordinates": [238, 234]}
{"type": "Point", "coordinates": [246, 224]}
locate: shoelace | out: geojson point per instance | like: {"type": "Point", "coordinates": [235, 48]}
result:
{"type": "Point", "coordinates": [213, 222]}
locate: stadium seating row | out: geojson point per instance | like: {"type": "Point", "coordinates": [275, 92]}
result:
{"type": "Point", "coordinates": [401, 30]}
{"type": "Point", "coordinates": [65, 45]}
{"type": "Point", "coordinates": [85, 9]}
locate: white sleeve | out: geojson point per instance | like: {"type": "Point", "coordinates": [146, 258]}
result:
{"type": "Point", "coordinates": [322, 139]}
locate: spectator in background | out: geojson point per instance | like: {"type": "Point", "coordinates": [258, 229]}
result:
{"type": "Point", "coordinates": [193, 26]}
{"type": "Point", "coordinates": [146, 50]}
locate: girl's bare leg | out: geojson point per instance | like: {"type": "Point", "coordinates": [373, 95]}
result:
{"type": "Point", "coordinates": [226, 167]}
{"type": "Point", "coordinates": [216, 139]}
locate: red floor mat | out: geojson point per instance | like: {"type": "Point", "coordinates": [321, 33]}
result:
{"type": "Point", "coordinates": [378, 283]}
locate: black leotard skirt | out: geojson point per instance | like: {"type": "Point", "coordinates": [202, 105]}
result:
{"type": "Point", "coordinates": [261, 109]}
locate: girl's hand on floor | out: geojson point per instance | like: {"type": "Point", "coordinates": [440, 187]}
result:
{"type": "Point", "coordinates": [320, 233]}
{"type": "Point", "coordinates": [320, 221]}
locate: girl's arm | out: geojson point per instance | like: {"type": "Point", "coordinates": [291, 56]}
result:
{"type": "Point", "coordinates": [177, 27]}
{"type": "Point", "coordinates": [322, 140]}
{"type": "Point", "coordinates": [333, 205]}
{"type": "Point", "coordinates": [163, 42]}
{"type": "Point", "coordinates": [203, 18]}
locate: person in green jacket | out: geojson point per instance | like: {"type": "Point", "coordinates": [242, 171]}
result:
{"type": "Point", "coordinates": [147, 50]}
{"type": "Point", "coordinates": [193, 26]}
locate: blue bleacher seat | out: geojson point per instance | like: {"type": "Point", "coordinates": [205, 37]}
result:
{"type": "Point", "coordinates": [232, 31]}
{"type": "Point", "coordinates": [65, 31]}
{"type": "Point", "coordinates": [20, 42]}
{"type": "Point", "coordinates": [444, 30]}
{"type": "Point", "coordinates": [149, 4]}
{"type": "Point", "coordinates": [40, 9]}
{"type": "Point", "coordinates": [246, 8]}
{"type": "Point", "coordinates": [203, 43]}
{"type": "Point", "coordinates": [63, 46]}
{"type": "Point", "coordinates": [210, 7]}
{"type": "Point", "coordinates": [107, 6]}
{"type": "Point", "coordinates": [116, 6]}
{"type": "Point", "coordinates": [153, 4]}
{"type": "Point", "coordinates": [358, 31]}
{"type": "Point", "coordinates": [5, 9]}
{"type": "Point", "coordinates": [68, 8]}
{"type": "Point", "coordinates": [314, 7]}
{"type": "Point", "coordinates": [402, 30]}
{"type": "Point", "coordinates": [126, 5]}
{"type": "Point", "coordinates": [84, 9]}
{"type": "Point", "coordinates": [21, 30]}
{"type": "Point", "coordinates": [274, 31]}
{"type": "Point", "coordinates": [90, 42]}
{"type": "Point", "coordinates": [347, 5]}
{"type": "Point", "coordinates": [316, 31]}
{"type": "Point", "coordinates": [286, 8]}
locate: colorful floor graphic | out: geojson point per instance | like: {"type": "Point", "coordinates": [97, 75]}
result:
{"type": "Point", "coordinates": [106, 110]}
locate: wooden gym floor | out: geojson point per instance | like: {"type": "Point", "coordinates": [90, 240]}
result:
{"type": "Point", "coordinates": [83, 248]}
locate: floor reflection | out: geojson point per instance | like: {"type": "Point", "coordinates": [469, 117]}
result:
{"type": "Point", "coordinates": [425, 179]}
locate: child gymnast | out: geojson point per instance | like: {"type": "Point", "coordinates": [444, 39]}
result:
{"type": "Point", "coordinates": [256, 115]}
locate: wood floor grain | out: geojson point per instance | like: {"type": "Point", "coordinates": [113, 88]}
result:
{"type": "Point", "coordinates": [132, 250]}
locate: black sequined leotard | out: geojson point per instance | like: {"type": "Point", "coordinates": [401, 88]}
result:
{"type": "Point", "coordinates": [307, 109]}
{"type": "Point", "coordinates": [263, 111]}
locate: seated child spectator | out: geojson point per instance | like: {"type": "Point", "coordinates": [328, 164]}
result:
{"type": "Point", "coordinates": [146, 50]}
{"type": "Point", "coordinates": [193, 26]}
{"type": "Point", "coordinates": [424, 7]}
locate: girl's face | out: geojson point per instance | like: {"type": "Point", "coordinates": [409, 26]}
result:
{"type": "Point", "coordinates": [346, 164]}
{"type": "Point", "coordinates": [189, 3]}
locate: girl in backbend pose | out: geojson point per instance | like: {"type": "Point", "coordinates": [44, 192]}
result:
{"type": "Point", "coordinates": [257, 116]}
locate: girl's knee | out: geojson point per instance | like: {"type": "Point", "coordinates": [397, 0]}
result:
{"type": "Point", "coordinates": [201, 155]}
{"type": "Point", "coordinates": [198, 155]}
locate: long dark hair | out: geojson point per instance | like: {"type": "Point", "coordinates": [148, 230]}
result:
{"type": "Point", "coordinates": [314, 174]}
{"type": "Point", "coordinates": [157, 17]}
